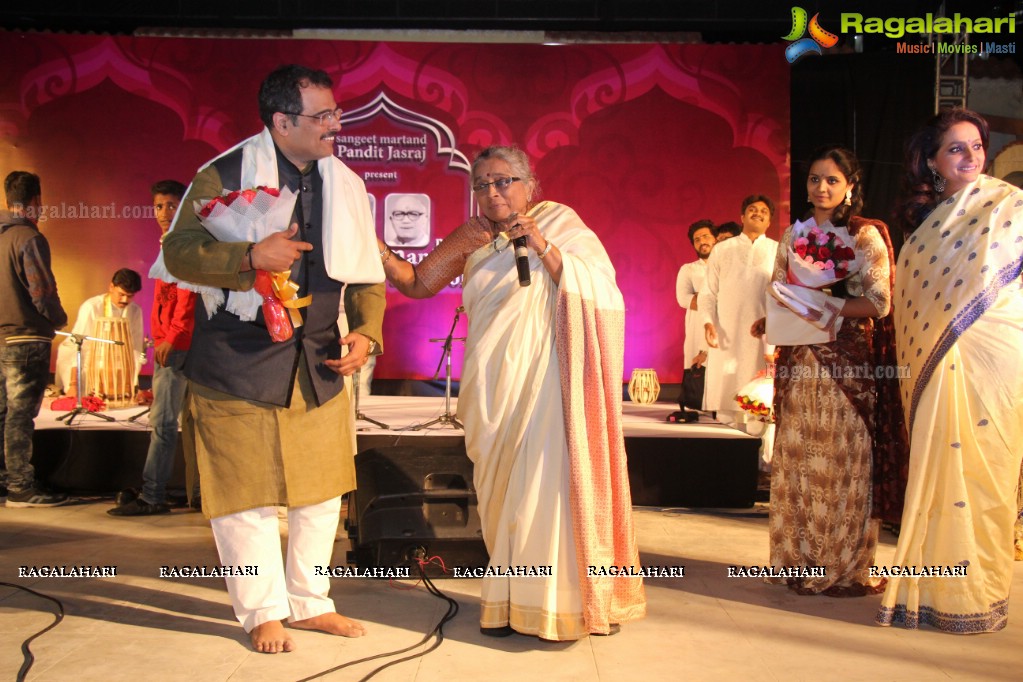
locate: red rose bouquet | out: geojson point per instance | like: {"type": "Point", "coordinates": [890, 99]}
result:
{"type": "Point", "coordinates": [801, 312]}
{"type": "Point", "coordinates": [820, 256]}
{"type": "Point", "coordinates": [252, 215]}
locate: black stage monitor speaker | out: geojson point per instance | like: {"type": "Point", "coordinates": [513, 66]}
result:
{"type": "Point", "coordinates": [414, 502]}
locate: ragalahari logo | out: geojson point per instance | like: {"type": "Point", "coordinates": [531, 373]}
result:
{"type": "Point", "coordinates": [803, 46]}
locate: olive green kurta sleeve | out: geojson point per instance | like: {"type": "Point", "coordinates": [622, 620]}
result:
{"type": "Point", "coordinates": [364, 307]}
{"type": "Point", "coordinates": [193, 254]}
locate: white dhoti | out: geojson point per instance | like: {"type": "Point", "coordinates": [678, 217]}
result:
{"type": "Point", "coordinates": [251, 539]}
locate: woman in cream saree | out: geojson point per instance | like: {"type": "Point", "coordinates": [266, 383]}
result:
{"type": "Point", "coordinates": [959, 316]}
{"type": "Point", "coordinates": [540, 398]}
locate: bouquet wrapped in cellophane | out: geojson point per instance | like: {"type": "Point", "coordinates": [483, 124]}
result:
{"type": "Point", "coordinates": [820, 256]}
{"type": "Point", "coordinates": [800, 312]}
{"type": "Point", "coordinates": [252, 215]}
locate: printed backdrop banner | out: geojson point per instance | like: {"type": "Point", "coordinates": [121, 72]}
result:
{"type": "Point", "coordinates": [641, 139]}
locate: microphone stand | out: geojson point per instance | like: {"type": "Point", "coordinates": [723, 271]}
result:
{"type": "Point", "coordinates": [359, 416]}
{"type": "Point", "coordinates": [78, 340]}
{"type": "Point", "coordinates": [445, 359]}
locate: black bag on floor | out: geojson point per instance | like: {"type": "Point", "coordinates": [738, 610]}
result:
{"type": "Point", "coordinates": [692, 388]}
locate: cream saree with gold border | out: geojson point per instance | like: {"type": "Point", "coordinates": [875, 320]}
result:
{"type": "Point", "coordinates": [959, 321]}
{"type": "Point", "coordinates": [541, 402]}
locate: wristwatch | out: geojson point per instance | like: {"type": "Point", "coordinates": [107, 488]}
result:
{"type": "Point", "coordinates": [373, 347]}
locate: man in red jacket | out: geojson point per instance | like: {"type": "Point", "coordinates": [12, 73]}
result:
{"type": "Point", "coordinates": [172, 321]}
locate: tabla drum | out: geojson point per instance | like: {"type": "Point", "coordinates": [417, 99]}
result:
{"type": "Point", "coordinates": [643, 386]}
{"type": "Point", "coordinates": [110, 367]}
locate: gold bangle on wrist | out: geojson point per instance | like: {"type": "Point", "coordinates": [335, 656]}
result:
{"type": "Point", "coordinates": [547, 249]}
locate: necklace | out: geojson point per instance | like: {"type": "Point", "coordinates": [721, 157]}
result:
{"type": "Point", "coordinates": [495, 238]}
{"type": "Point", "coordinates": [499, 238]}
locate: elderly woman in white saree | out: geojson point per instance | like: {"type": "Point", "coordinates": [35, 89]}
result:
{"type": "Point", "coordinates": [541, 402]}
{"type": "Point", "coordinates": [959, 317]}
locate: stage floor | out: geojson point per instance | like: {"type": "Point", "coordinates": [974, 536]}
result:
{"type": "Point", "coordinates": [403, 414]}
{"type": "Point", "coordinates": [705, 626]}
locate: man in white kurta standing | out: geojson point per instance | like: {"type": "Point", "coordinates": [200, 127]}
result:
{"type": "Point", "coordinates": [733, 298]}
{"type": "Point", "coordinates": [690, 281]}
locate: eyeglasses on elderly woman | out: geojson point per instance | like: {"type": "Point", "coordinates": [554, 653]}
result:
{"type": "Point", "coordinates": [501, 184]}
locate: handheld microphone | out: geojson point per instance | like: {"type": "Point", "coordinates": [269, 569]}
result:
{"type": "Point", "coordinates": [522, 261]}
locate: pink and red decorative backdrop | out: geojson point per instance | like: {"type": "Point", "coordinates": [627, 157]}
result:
{"type": "Point", "coordinates": [640, 139]}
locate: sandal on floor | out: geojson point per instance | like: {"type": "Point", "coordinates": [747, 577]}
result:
{"type": "Point", "coordinates": [613, 629]}
{"type": "Point", "coordinates": [502, 631]}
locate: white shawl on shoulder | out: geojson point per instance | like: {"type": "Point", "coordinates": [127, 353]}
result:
{"type": "Point", "coordinates": [349, 235]}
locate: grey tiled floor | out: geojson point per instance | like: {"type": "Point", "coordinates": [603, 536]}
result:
{"type": "Point", "coordinates": [705, 626]}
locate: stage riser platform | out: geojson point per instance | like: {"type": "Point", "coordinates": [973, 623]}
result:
{"type": "Point", "coordinates": [670, 465]}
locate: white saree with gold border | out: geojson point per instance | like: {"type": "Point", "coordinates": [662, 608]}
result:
{"type": "Point", "coordinates": [541, 402]}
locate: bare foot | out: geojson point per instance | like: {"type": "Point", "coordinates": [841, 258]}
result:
{"type": "Point", "coordinates": [333, 624]}
{"type": "Point", "coordinates": [271, 638]}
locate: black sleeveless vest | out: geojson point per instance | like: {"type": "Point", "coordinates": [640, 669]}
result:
{"type": "Point", "coordinates": [238, 357]}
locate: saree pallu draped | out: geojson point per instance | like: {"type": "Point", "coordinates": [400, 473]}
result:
{"type": "Point", "coordinates": [959, 316]}
{"type": "Point", "coordinates": [541, 402]}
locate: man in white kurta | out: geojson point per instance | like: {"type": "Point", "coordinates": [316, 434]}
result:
{"type": "Point", "coordinates": [733, 298]}
{"type": "Point", "coordinates": [689, 282]}
{"type": "Point", "coordinates": [117, 302]}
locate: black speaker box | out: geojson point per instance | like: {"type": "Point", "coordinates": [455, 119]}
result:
{"type": "Point", "coordinates": [414, 502]}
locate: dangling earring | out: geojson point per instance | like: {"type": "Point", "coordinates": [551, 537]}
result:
{"type": "Point", "coordinates": [939, 182]}
{"type": "Point", "coordinates": [809, 200]}
{"type": "Point", "coordinates": [848, 197]}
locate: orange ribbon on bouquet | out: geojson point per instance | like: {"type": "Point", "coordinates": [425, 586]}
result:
{"type": "Point", "coordinates": [287, 292]}
{"type": "Point", "coordinates": [280, 295]}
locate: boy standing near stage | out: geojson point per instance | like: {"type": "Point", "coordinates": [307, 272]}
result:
{"type": "Point", "coordinates": [172, 321]}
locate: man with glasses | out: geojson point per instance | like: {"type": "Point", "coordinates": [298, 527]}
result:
{"type": "Point", "coordinates": [408, 221]}
{"type": "Point", "coordinates": [273, 422]}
